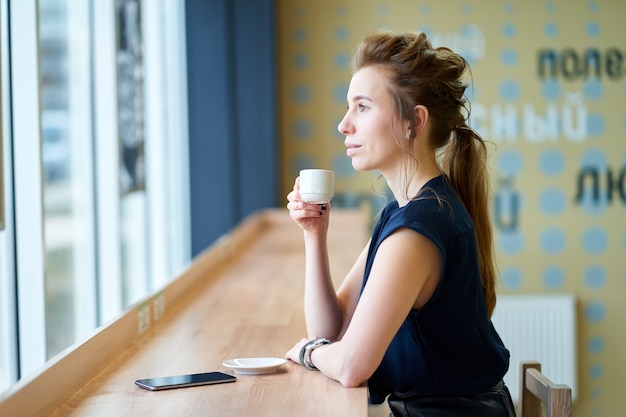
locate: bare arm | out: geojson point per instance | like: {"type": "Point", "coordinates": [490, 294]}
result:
{"type": "Point", "coordinates": [404, 275]}
{"type": "Point", "coordinates": [327, 311]}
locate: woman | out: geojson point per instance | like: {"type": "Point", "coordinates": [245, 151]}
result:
{"type": "Point", "coordinates": [412, 317]}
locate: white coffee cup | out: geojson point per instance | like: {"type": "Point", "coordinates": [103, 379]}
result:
{"type": "Point", "coordinates": [317, 186]}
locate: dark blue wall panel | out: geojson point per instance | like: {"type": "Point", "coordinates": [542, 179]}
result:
{"type": "Point", "coordinates": [232, 113]}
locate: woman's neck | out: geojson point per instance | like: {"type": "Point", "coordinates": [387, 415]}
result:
{"type": "Point", "coordinates": [404, 192]}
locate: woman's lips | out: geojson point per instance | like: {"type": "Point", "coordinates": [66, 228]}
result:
{"type": "Point", "coordinates": [352, 148]}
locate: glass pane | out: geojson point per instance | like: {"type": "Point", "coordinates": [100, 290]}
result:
{"type": "Point", "coordinates": [131, 136]}
{"type": "Point", "coordinates": [68, 171]}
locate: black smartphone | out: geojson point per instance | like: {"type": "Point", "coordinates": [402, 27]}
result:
{"type": "Point", "coordinates": [181, 381]}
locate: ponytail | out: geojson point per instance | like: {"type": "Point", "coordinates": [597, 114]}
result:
{"type": "Point", "coordinates": [464, 163]}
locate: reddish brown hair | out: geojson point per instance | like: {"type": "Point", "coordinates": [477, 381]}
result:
{"type": "Point", "coordinates": [417, 73]}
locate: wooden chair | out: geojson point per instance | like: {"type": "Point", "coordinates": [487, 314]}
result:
{"type": "Point", "coordinates": [536, 389]}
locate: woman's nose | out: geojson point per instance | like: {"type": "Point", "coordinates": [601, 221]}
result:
{"type": "Point", "coordinates": [344, 127]}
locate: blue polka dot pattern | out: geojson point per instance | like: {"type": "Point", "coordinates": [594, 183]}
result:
{"type": "Point", "coordinates": [595, 240]}
{"type": "Point", "coordinates": [508, 57]}
{"type": "Point", "coordinates": [553, 278]}
{"type": "Point", "coordinates": [341, 11]}
{"type": "Point", "coordinates": [595, 394]}
{"type": "Point", "coordinates": [510, 163]}
{"type": "Point", "coordinates": [342, 61]}
{"type": "Point", "coordinates": [596, 371]}
{"type": "Point", "coordinates": [510, 242]}
{"type": "Point", "coordinates": [595, 312]}
{"type": "Point", "coordinates": [299, 12]}
{"type": "Point", "coordinates": [425, 10]}
{"type": "Point", "coordinates": [593, 30]}
{"type": "Point", "coordinates": [301, 61]}
{"type": "Point", "coordinates": [512, 278]}
{"type": "Point", "coordinates": [551, 89]}
{"type": "Point", "coordinates": [551, 30]}
{"type": "Point", "coordinates": [341, 34]}
{"type": "Point", "coordinates": [301, 94]}
{"type": "Point", "coordinates": [553, 240]}
{"type": "Point", "coordinates": [342, 165]}
{"type": "Point", "coordinates": [340, 93]}
{"type": "Point", "coordinates": [596, 345]}
{"type": "Point", "coordinates": [300, 35]}
{"type": "Point", "coordinates": [509, 90]}
{"type": "Point", "coordinates": [595, 124]}
{"type": "Point", "coordinates": [552, 201]}
{"type": "Point", "coordinates": [509, 30]}
{"type": "Point", "coordinates": [302, 129]}
{"type": "Point", "coordinates": [595, 277]}
{"type": "Point", "coordinates": [552, 162]}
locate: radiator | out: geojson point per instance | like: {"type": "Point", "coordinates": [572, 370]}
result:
{"type": "Point", "coordinates": [541, 328]}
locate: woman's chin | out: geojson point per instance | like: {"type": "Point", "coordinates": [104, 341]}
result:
{"type": "Point", "coordinates": [359, 166]}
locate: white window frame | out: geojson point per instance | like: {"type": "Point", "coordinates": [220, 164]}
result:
{"type": "Point", "coordinates": [173, 19]}
{"type": "Point", "coordinates": [29, 233]}
{"type": "Point", "coordinates": [80, 113]}
{"type": "Point", "coordinates": [165, 82]}
{"type": "Point", "coordinates": [8, 352]}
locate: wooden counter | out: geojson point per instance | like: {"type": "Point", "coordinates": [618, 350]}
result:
{"type": "Point", "coordinates": [242, 298]}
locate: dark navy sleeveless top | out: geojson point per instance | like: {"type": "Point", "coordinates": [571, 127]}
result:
{"type": "Point", "coordinates": [449, 346]}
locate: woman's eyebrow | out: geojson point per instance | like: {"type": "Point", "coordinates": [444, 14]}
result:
{"type": "Point", "coordinates": [361, 97]}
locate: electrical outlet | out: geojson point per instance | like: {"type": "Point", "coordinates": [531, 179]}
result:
{"type": "Point", "coordinates": [144, 317]}
{"type": "Point", "coordinates": [158, 305]}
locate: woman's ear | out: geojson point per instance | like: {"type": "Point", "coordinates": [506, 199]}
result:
{"type": "Point", "coordinates": [420, 113]}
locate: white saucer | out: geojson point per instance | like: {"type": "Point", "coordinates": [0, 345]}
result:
{"type": "Point", "coordinates": [255, 366]}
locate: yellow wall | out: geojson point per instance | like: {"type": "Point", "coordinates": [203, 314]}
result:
{"type": "Point", "coordinates": [551, 134]}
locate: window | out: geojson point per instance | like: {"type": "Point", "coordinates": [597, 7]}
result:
{"type": "Point", "coordinates": [101, 197]}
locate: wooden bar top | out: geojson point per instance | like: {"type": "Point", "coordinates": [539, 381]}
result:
{"type": "Point", "coordinates": [242, 298]}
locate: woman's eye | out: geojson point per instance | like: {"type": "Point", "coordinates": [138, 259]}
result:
{"type": "Point", "coordinates": [362, 107]}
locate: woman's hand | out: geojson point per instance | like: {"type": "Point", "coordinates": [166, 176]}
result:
{"type": "Point", "coordinates": [294, 352]}
{"type": "Point", "coordinates": [310, 217]}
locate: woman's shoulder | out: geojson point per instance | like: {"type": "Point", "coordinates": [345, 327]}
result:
{"type": "Point", "coordinates": [438, 207]}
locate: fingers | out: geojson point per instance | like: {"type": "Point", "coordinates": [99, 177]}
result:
{"type": "Point", "coordinates": [307, 209]}
{"type": "Point", "coordinates": [301, 209]}
{"type": "Point", "coordinates": [294, 353]}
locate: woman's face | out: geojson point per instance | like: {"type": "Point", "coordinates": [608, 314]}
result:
{"type": "Point", "coordinates": [371, 124]}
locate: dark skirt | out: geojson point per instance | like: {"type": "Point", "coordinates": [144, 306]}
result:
{"type": "Point", "coordinates": [495, 402]}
